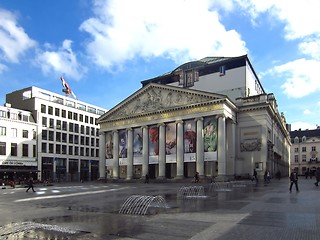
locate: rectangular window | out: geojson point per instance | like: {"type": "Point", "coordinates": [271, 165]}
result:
{"type": "Point", "coordinates": [71, 127]}
{"type": "Point", "coordinates": [296, 150]}
{"type": "Point", "coordinates": [50, 110]}
{"type": "Point", "coordinates": [64, 113]}
{"type": "Point", "coordinates": [14, 132]}
{"type": "Point", "coordinates": [64, 126]}
{"type": "Point", "coordinates": [3, 131]}
{"type": "Point", "coordinates": [58, 149]}
{"type": "Point", "coordinates": [69, 115]}
{"type": "Point", "coordinates": [58, 124]}
{"type": "Point", "coordinates": [44, 147]}
{"type": "Point", "coordinates": [70, 138]}
{"type": "Point", "coordinates": [81, 118]}
{"type": "Point", "coordinates": [76, 150]}
{"type": "Point", "coordinates": [76, 128]}
{"type": "Point", "coordinates": [51, 148]}
{"type": "Point", "coordinates": [86, 119]}
{"type": "Point", "coordinates": [304, 149]}
{"type": "Point", "coordinates": [75, 116]}
{"type": "Point", "coordinates": [44, 135]}
{"type": "Point", "coordinates": [51, 123]}
{"type": "Point", "coordinates": [2, 148]}
{"type": "Point", "coordinates": [25, 150]}
{"type": "Point", "coordinates": [82, 129]}
{"type": "Point", "coordinates": [64, 137]}
{"type": "Point", "coordinates": [3, 114]}
{"type": "Point", "coordinates": [313, 148]}
{"type": "Point", "coordinates": [14, 149]}
{"type": "Point", "coordinates": [91, 120]}
{"type": "Point", "coordinates": [43, 108]}
{"type": "Point", "coordinates": [303, 158]}
{"type": "Point", "coordinates": [51, 135]}
{"type": "Point", "coordinates": [64, 149]}
{"type": "Point", "coordinates": [25, 133]}
{"type": "Point", "coordinates": [34, 150]}
{"type": "Point", "coordinates": [70, 150]}
{"type": "Point", "coordinates": [44, 121]}
{"type": "Point", "coordinates": [222, 70]}
{"type": "Point", "coordinates": [296, 158]}
{"type": "Point", "coordinates": [58, 137]}
{"type": "Point", "coordinates": [57, 112]}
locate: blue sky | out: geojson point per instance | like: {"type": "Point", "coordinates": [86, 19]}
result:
{"type": "Point", "coordinates": [104, 49]}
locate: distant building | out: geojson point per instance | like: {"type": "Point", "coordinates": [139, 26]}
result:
{"type": "Point", "coordinates": [67, 135]}
{"type": "Point", "coordinates": [210, 116]}
{"type": "Point", "coordinates": [305, 150]}
{"type": "Point", "coordinates": [18, 152]}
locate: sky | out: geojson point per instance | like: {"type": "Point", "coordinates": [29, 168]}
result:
{"type": "Point", "coordinates": [105, 48]}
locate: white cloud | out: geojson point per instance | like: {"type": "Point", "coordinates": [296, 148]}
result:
{"type": "Point", "coordinates": [3, 68]}
{"type": "Point", "coordinates": [311, 47]}
{"type": "Point", "coordinates": [301, 77]}
{"type": "Point", "coordinates": [63, 61]}
{"type": "Point", "coordinates": [302, 126]}
{"type": "Point", "coordinates": [181, 30]}
{"type": "Point", "coordinates": [307, 112]}
{"type": "Point", "coordinates": [13, 39]}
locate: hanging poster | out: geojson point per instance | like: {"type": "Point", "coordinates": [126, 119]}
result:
{"type": "Point", "coordinates": [137, 142]}
{"type": "Point", "coordinates": [109, 145]}
{"type": "Point", "coordinates": [171, 140]}
{"type": "Point", "coordinates": [153, 141]}
{"type": "Point", "coordinates": [189, 137]}
{"type": "Point", "coordinates": [210, 135]}
{"type": "Point", "coordinates": [122, 144]}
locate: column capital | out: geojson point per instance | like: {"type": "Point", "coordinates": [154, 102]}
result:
{"type": "Point", "coordinates": [161, 124]}
{"type": "Point", "coordinates": [198, 119]}
{"type": "Point", "coordinates": [222, 115]}
{"type": "Point", "coordinates": [129, 129]}
{"type": "Point", "coordinates": [179, 121]}
{"type": "Point", "coordinates": [102, 133]}
{"type": "Point", "coordinates": [115, 131]}
{"type": "Point", "coordinates": [144, 126]}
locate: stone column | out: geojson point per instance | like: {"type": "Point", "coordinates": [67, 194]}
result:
{"type": "Point", "coordinates": [200, 147]}
{"type": "Point", "coordinates": [102, 156]}
{"type": "Point", "coordinates": [130, 154]}
{"type": "Point", "coordinates": [79, 169]}
{"type": "Point", "coordinates": [162, 151]}
{"type": "Point", "coordinates": [231, 147]}
{"type": "Point", "coordinates": [180, 157]}
{"type": "Point", "coordinates": [55, 168]}
{"type": "Point", "coordinates": [115, 171]}
{"type": "Point", "coordinates": [222, 165]}
{"type": "Point", "coordinates": [145, 151]}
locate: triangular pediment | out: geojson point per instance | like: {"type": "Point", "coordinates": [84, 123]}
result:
{"type": "Point", "coordinates": [158, 97]}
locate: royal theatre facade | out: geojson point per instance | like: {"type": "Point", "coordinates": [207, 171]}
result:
{"type": "Point", "coordinates": [169, 132]}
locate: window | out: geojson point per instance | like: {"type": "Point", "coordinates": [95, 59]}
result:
{"type": "Point", "coordinates": [64, 149]}
{"type": "Point", "coordinates": [81, 106]}
{"type": "Point", "coordinates": [58, 137]}
{"type": "Point", "coordinates": [34, 135]}
{"type": "Point", "coordinates": [87, 152]}
{"type": "Point", "coordinates": [76, 150]}
{"type": "Point", "coordinates": [25, 118]}
{"type": "Point", "coordinates": [296, 150]}
{"type": "Point", "coordinates": [92, 110]}
{"type": "Point", "coordinates": [71, 127]}
{"type": "Point", "coordinates": [97, 152]}
{"type": "Point", "coordinates": [304, 139]}
{"type": "Point", "coordinates": [82, 140]}
{"type": "Point", "coordinates": [64, 113]}
{"type": "Point", "coordinates": [86, 119]}
{"type": "Point", "coordinates": [304, 149]}
{"type": "Point", "coordinates": [14, 149]}
{"type": "Point", "coordinates": [3, 131]}
{"type": "Point", "coordinates": [296, 158]}
{"type": "Point", "coordinates": [92, 142]}
{"type": "Point", "coordinates": [76, 139]}
{"type": "Point", "coordinates": [50, 110]}
{"type": "Point", "coordinates": [81, 118]}
{"type": "Point", "coordinates": [76, 128]}
{"type": "Point", "coordinates": [82, 129]}
{"type": "Point", "coordinates": [58, 124]}
{"type": "Point", "coordinates": [92, 152]}
{"type": "Point", "coordinates": [43, 108]}
{"type": "Point", "coordinates": [64, 137]}
{"type": "Point", "coordinates": [14, 132]}
{"type": "Point", "coordinates": [92, 131]}
{"type": "Point", "coordinates": [87, 130]}
{"type": "Point", "coordinates": [25, 150]}
{"type": "Point", "coordinates": [313, 148]}
{"type": "Point", "coordinates": [2, 148]}
{"type": "Point", "coordinates": [296, 140]}
{"type": "Point", "coordinates": [25, 133]}
{"type": "Point", "coordinates": [75, 116]}
{"type": "Point", "coordinates": [58, 149]}
{"type": "Point", "coordinates": [69, 115]}
{"type": "Point", "coordinates": [34, 150]}
{"type": "Point", "coordinates": [87, 141]}
{"type": "Point", "coordinates": [51, 136]}
{"type": "Point", "coordinates": [2, 114]}
{"type": "Point", "coordinates": [303, 158]}
{"type": "Point", "coordinates": [44, 134]}
{"type": "Point", "coordinates": [57, 112]}
{"type": "Point", "coordinates": [51, 148]}
{"type": "Point", "coordinates": [70, 150]}
{"type": "Point", "coordinates": [44, 147]}
{"type": "Point", "coordinates": [91, 120]}
{"type": "Point", "coordinates": [70, 138]}
{"type": "Point", "coordinates": [222, 70]}
{"type": "Point", "coordinates": [97, 142]}
{"type": "Point", "coordinates": [81, 151]}
{"type": "Point", "coordinates": [64, 126]}
{"type": "Point", "coordinates": [51, 123]}
{"type": "Point", "coordinates": [44, 121]}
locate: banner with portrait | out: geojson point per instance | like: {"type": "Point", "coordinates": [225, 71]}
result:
{"type": "Point", "coordinates": [109, 145]}
{"type": "Point", "coordinates": [210, 138]}
{"type": "Point", "coordinates": [154, 141]}
{"type": "Point", "coordinates": [123, 143]}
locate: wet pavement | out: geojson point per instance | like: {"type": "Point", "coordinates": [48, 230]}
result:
{"type": "Point", "coordinates": [174, 211]}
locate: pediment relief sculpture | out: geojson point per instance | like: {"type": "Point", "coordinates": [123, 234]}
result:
{"type": "Point", "coordinates": [157, 98]}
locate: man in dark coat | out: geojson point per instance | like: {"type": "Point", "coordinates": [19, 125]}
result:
{"type": "Point", "coordinates": [30, 185]}
{"type": "Point", "coordinates": [294, 180]}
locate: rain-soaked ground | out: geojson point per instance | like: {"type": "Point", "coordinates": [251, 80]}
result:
{"type": "Point", "coordinates": [67, 212]}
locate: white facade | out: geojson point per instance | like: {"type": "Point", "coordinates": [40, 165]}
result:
{"type": "Point", "coordinates": [221, 94]}
{"type": "Point", "coordinates": [18, 154]}
{"type": "Point", "coordinates": [67, 136]}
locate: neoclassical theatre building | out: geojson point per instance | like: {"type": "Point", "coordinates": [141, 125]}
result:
{"type": "Point", "coordinates": [210, 116]}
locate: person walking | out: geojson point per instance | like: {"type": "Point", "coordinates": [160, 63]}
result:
{"type": "Point", "coordinates": [255, 175]}
{"type": "Point", "coordinates": [294, 180]}
{"type": "Point", "coordinates": [317, 177]}
{"type": "Point", "coordinates": [30, 185]}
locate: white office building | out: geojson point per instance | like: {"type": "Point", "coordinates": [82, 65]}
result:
{"type": "Point", "coordinates": [67, 139]}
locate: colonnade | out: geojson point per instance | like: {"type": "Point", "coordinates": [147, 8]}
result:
{"type": "Point", "coordinates": [225, 147]}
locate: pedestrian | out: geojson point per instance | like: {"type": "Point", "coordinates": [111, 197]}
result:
{"type": "Point", "coordinates": [294, 180]}
{"type": "Point", "coordinates": [317, 177]}
{"type": "Point", "coordinates": [196, 177]}
{"type": "Point", "coordinates": [30, 184]}
{"type": "Point", "coordinates": [267, 176]}
{"type": "Point", "coordinates": [255, 175]}
{"type": "Point", "coordinates": [147, 178]}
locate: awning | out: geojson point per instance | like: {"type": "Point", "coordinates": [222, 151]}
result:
{"type": "Point", "coordinates": [18, 170]}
